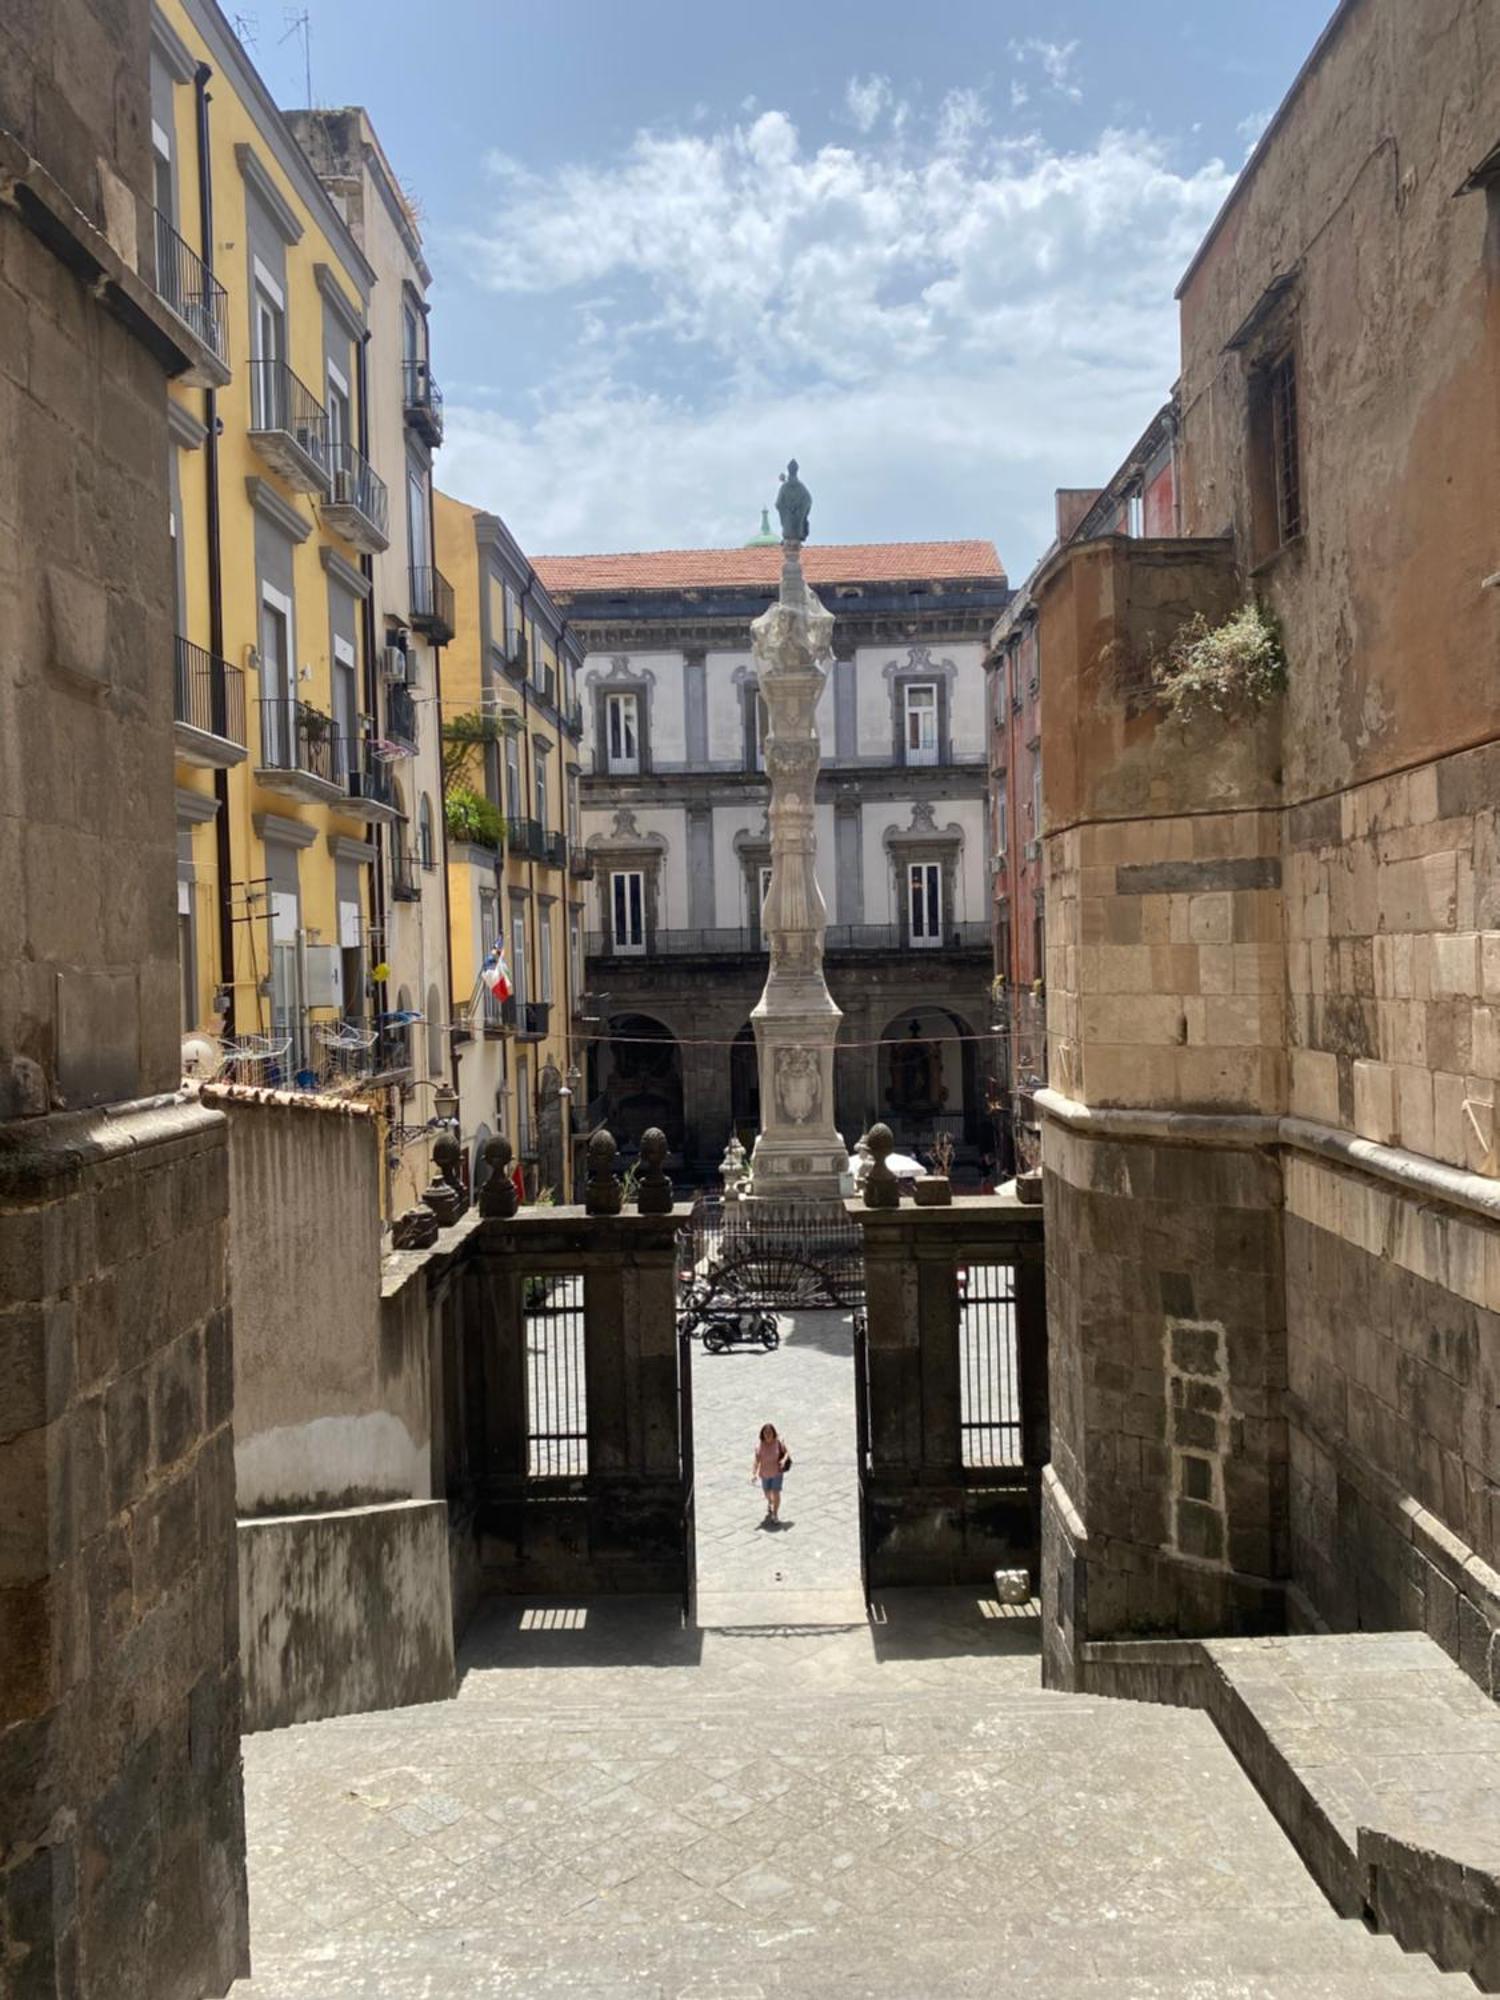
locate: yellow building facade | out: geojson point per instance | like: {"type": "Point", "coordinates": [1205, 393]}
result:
{"type": "Point", "coordinates": [516, 867]}
{"type": "Point", "coordinates": [283, 783]}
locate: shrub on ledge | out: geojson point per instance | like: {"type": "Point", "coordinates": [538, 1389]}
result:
{"type": "Point", "coordinates": [1223, 670]}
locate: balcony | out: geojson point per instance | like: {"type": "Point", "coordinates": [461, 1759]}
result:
{"type": "Point", "coordinates": [422, 402]}
{"type": "Point", "coordinates": [185, 284]}
{"type": "Point", "coordinates": [299, 752]}
{"type": "Point", "coordinates": [358, 507]}
{"type": "Point", "coordinates": [289, 428]}
{"type": "Point", "coordinates": [406, 880]}
{"type": "Point", "coordinates": [574, 723]}
{"type": "Point", "coordinates": [730, 941]}
{"type": "Point", "coordinates": [529, 1018]}
{"type": "Point", "coordinates": [432, 608]}
{"type": "Point", "coordinates": [580, 864]}
{"type": "Point", "coordinates": [400, 714]}
{"type": "Point", "coordinates": [368, 791]}
{"type": "Point", "coordinates": [208, 709]}
{"type": "Point", "coordinates": [554, 851]}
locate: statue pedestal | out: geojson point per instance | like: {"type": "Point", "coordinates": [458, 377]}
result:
{"type": "Point", "coordinates": [799, 1156]}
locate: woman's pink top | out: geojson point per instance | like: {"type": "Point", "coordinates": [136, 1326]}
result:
{"type": "Point", "coordinates": [768, 1457]}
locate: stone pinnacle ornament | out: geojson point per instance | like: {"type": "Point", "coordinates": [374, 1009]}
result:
{"type": "Point", "coordinates": [799, 1155]}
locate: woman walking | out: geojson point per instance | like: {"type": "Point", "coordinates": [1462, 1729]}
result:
{"type": "Point", "coordinates": [772, 1461]}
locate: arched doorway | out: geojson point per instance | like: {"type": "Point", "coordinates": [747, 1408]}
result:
{"type": "Point", "coordinates": [639, 1081]}
{"type": "Point", "coordinates": [928, 1080]}
{"type": "Point", "coordinates": [744, 1087]}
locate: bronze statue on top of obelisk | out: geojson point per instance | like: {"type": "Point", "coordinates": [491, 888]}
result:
{"type": "Point", "coordinates": [799, 1155]}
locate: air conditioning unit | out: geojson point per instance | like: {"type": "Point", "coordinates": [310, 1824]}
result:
{"type": "Point", "coordinates": [393, 663]}
{"type": "Point", "coordinates": [345, 493]}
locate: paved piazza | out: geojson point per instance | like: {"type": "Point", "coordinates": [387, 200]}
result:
{"type": "Point", "coordinates": [789, 1798]}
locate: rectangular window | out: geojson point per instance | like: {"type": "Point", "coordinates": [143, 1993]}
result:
{"type": "Point", "coordinates": [1287, 465]}
{"type": "Point", "coordinates": [575, 951]}
{"type": "Point", "coordinates": [187, 957]}
{"type": "Point", "coordinates": [541, 791]}
{"type": "Point", "coordinates": [921, 723]}
{"type": "Point", "coordinates": [523, 1107]}
{"type": "Point", "coordinates": [277, 689]}
{"type": "Point", "coordinates": [621, 734]}
{"type": "Point", "coordinates": [925, 891]}
{"type": "Point", "coordinates": [340, 430]}
{"type": "Point", "coordinates": [518, 954]}
{"type": "Point", "coordinates": [1036, 793]}
{"type": "Point", "coordinates": [512, 624]}
{"type": "Point", "coordinates": [544, 955]}
{"type": "Point", "coordinates": [1135, 517]}
{"type": "Point", "coordinates": [268, 348]}
{"type": "Point", "coordinates": [1002, 818]}
{"type": "Point", "coordinates": [628, 900]}
{"type": "Point", "coordinates": [345, 706]}
{"type": "Point", "coordinates": [765, 890]}
{"type": "Point", "coordinates": [489, 934]}
{"type": "Point", "coordinates": [513, 779]}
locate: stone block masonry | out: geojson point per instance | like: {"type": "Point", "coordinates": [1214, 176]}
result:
{"type": "Point", "coordinates": [121, 1820]}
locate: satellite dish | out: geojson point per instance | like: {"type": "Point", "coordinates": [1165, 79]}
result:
{"type": "Point", "coordinates": [201, 1057]}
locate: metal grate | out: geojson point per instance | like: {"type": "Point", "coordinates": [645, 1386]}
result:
{"type": "Point", "coordinates": [774, 1256]}
{"type": "Point", "coordinates": [557, 1437]}
{"type": "Point", "coordinates": [1288, 468]}
{"type": "Point", "coordinates": [989, 1386]}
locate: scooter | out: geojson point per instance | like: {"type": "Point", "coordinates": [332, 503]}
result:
{"type": "Point", "coordinates": [721, 1326]}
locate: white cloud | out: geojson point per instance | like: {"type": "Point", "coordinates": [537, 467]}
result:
{"type": "Point", "coordinates": [1056, 62]}
{"type": "Point", "coordinates": [865, 98]}
{"type": "Point", "coordinates": [1019, 94]}
{"type": "Point", "coordinates": [1251, 128]}
{"type": "Point", "coordinates": [942, 327]}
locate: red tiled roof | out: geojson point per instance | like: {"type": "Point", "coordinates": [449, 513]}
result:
{"type": "Point", "coordinates": [706, 569]}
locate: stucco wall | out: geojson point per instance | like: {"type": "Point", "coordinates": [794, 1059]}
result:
{"type": "Point", "coordinates": [323, 1414]}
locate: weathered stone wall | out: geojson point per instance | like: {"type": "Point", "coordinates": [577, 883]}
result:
{"type": "Point", "coordinates": [121, 1820]}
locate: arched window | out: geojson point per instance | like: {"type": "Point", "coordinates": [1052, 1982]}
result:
{"type": "Point", "coordinates": [426, 848]}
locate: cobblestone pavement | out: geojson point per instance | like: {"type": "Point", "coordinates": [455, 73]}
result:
{"type": "Point", "coordinates": [614, 1806]}
{"type": "Point", "coordinates": [807, 1567]}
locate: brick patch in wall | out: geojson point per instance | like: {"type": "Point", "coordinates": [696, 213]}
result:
{"type": "Point", "coordinates": [1196, 1371]}
{"type": "Point", "coordinates": [1192, 878]}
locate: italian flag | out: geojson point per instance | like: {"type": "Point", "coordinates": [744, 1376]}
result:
{"type": "Point", "coordinates": [496, 973]}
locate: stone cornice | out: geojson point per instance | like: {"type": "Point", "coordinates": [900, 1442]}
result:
{"type": "Point", "coordinates": [176, 57]}
{"type": "Point", "coordinates": [289, 832]}
{"type": "Point", "coordinates": [1412, 1173]}
{"type": "Point", "coordinates": [183, 428]}
{"type": "Point", "coordinates": [950, 620]}
{"type": "Point", "coordinates": [269, 504]}
{"type": "Point", "coordinates": [195, 808]}
{"type": "Point", "coordinates": [874, 784]}
{"type": "Point", "coordinates": [344, 573]}
{"type": "Point", "coordinates": [342, 848]}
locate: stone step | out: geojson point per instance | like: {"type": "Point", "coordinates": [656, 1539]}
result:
{"type": "Point", "coordinates": [1299, 1960]}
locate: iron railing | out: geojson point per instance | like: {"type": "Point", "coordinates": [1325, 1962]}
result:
{"type": "Point", "coordinates": [405, 886]}
{"type": "Point", "coordinates": [422, 400]}
{"type": "Point", "coordinates": [580, 864]}
{"type": "Point", "coordinates": [400, 713]}
{"type": "Point", "coordinates": [575, 719]}
{"type": "Point", "coordinates": [557, 1431]}
{"type": "Point", "coordinates": [185, 283]}
{"type": "Point", "coordinates": [209, 694]}
{"type": "Point", "coordinates": [357, 484]}
{"type": "Point", "coordinates": [554, 850]}
{"type": "Point", "coordinates": [366, 776]}
{"type": "Point", "coordinates": [533, 1017]}
{"type": "Point", "coordinates": [989, 1375]}
{"type": "Point", "coordinates": [773, 1256]}
{"type": "Point", "coordinates": [297, 737]}
{"type": "Point", "coordinates": [282, 401]}
{"type": "Point", "coordinates": [727, 940]}
{"type": "Point", "coordinates": [432, 604]}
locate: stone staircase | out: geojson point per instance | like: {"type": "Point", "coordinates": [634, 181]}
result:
{"type": "Point", "coordinates": [615, 1807]}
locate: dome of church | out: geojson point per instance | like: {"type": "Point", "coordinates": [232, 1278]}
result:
{"type": "Point", "coordinates": [768, 537]}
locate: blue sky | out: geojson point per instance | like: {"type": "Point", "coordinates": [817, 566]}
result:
{"type": "Point", "coordinates": [928, 249]}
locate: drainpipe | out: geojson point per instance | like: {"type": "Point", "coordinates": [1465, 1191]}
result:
{"type": "Point", "coordinates": [223, 845]}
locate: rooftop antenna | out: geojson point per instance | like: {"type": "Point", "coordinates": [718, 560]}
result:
{"type": "Point", "coordinates": [301, 24]}
{"type": "Point", "coordinates": [247, 27]}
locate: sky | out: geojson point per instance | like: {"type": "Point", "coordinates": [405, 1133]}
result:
{"type": "Point", "coordinates": [929, 250]}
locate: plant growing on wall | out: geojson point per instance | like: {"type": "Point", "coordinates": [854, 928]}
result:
{"type": "Point", "coordinates": [462, 736]}
{"type": "Point", "coordinates": [471, 817]}
{"type": "Point", "coordinates": [1222, 670]}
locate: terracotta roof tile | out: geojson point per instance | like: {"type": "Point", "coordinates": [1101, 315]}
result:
{"type": "Point", "coordinates": [706, 569]}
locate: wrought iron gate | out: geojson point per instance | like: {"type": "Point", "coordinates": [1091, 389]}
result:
{"type": "Point", "coordinates": [557, 1430]}
{"type": "Point", "coordinates": [862, 1445]}
{"type": "Point", "coordinates": [685, 1455]}
{"type": "Point", "coordinates": [774, 1256]}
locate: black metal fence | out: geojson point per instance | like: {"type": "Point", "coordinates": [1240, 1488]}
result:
{"type": "Point", "coordinates": [357, 484]}
{"type": "Point", "coordinates": [209, 693]}
{"type": "Point", "coordinates": [729, 939]}
{"type": "Point", "coordinates": [989, 1376]}
{"type": "Point", "coordinates": [189, 288]}
{"type": "Point", "coordinates": [282, 401]}
{"type": "Point", "coordinates": [296, 737]}
{"type": "Point", "coordinates": [779, 1257]}
{"type": "Point", "coordinates": [557, 1436]}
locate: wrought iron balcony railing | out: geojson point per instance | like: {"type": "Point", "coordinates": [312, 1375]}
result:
{"type": "Point", "coordinates": [209, 694]}
{"type": "Point", "coordinates": [722, 941]}
{"type": "Point", "coordinates": [295, 737]}
{"type": "Point", "coordinates": [184, 283]}
{"type": "Point", "coordinates": [400, 714]}
{"type": "Point", "coordinates": [554, 850]}
{"type": "Point", "coordinates": [529, 1018]}
{"type": "Point", "coordinates": [367, 780]}
{"type": "Point", "coordinates": [432, 605]}
{"type": "Point", "coordinates": [575, 719]}
{"type": "Point", "coordinates": [580, 864]}
{"type": "Point", "coordinates": [289, 427]}
{"type": "Point", "coordinates": [422, 401]}
{"type": "Point", "coordinates": [406, 882]}
{"type": "Point", "coordinates": [357, 506]}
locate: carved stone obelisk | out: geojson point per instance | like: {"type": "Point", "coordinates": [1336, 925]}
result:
{"type": "Point", "coordinates": [799, 1155]}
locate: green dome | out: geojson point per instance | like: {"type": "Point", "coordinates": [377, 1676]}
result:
{"type": "Point", "coordinates": [767, 538]}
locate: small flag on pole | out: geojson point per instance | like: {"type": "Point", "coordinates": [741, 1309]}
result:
{"type": "Point", "coordinates": [496, 973]}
